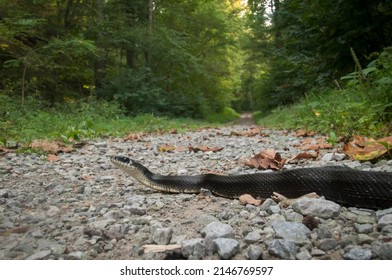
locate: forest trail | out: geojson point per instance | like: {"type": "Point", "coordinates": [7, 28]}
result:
{"type": "Point", "coordinates": [77, 205]}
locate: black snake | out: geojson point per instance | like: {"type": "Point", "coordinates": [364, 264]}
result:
{"type": "Point", "coordinates": [346, 186]}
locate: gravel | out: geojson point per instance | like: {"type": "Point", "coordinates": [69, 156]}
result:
{"type": "Point", "coordinates": [82, 207]}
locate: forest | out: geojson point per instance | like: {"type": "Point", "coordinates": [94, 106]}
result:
{"type": "Point", "coordinates": [323, 65]}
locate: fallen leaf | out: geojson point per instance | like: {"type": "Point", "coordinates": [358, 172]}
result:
{"type": "Point", "coordinates": [204, 149]}
{"type": "Point", "coordinates": [268, 159]}
{"type": "Point", "coordinates": [305, 155]}
{"type": "Point", "coordinates": [314, 144]}
{"type": "Point", "coordinates": [53, 158]}
{"type": "Point", "coordinates": [134, 136]}
{"type": "Point", "coordinates": [304, 133]}
{"type": "Point", "coordinates": [53, 147]}
{"type": "Point", "coordinates": [165, 148]}
{"type": "Point", "coordinates": [363, 148]}
{"type": "Point", "coordinates": [87, 177]}
{"type": "Point", "coordinates": [248, 199]}
{"type": "Point", "coordinates": [250, 132]}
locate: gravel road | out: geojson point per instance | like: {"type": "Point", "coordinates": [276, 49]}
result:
{"type": "Point", "coordinates": [79, 206]}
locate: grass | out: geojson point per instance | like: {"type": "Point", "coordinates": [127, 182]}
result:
{"type": "Point", "coordinates": [334, 112]}
{"type": "Point", "coordinates": [85, 120]}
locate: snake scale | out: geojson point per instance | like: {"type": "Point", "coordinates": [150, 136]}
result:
{"type": "Point", "coordinates": [346, 186]}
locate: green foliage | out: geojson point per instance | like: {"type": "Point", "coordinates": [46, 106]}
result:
{"type": "Point", "coordinates": [173, 58]}
{"type": "Point", "coordinates": [77, 121]}
{"type": "Point", "coordinates": [306, 44]}
{"type": "Point", "coordinates": [227, 115]}
{"type": "Point", "coordinates": [363, 106]}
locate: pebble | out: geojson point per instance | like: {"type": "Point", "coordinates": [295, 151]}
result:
{"type": "Point", "coordinates": [226, 247]}
{"type": "Point", "coordinates": [317, 207]}
{"type": "Point", "coordinates": [284, 249]}
{"type": "Point", "coordinates": [291, 231]}
{"type": "Point", "coordinates": [82, 207]}
{"type": "Point", "coordinates": [357, 253]}
{"type": "Point", "coordinates": [254, 252]}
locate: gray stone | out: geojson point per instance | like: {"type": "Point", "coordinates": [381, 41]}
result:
{"type": "Point", "coordinates": [267, 205]}
{"type": "Point", "coordinates": [316, 207]}
{"type": "Point", "coordinates": [77, 255]}
{"type": "Point", "coordinates": [296, 232]}
{"type": "Point", "coordinates": [328, 157]}
{"type": "Point", "coordinates": [206, 219]}
{"type": "Point", "coordinates": [218, 230]}
{"type": "Point", "coordinates": [325, 231]}
{"type": "Point", "coordinates": [41, 255]}
{"type": "Point", "coordinates": [385, 221]}
{"type": "Point", "coordinates": [383, 251]}
{"type": "Point", "coordinates": [100, 224]}
{"type": "Point", "coordinates": [366, 219]}
{"type": "Point", "coordinates": [226, 247]}
{"type": "Point", "coordinates": [303, 255]}
{"type": "Point", "coordinates": [293, 216]}
{"type": "Point", "coordinates": [383, 212]}
{"type": "Point", "coordinates": [4, 193]}
{"type": "Point", "coordinates": [162, 235]}
{"type": "Point", "coordinates": [328, 244]}
{"type": "Point", "coordinates": [254, 252]}
{"type": "Point", "coordinates": [37, 234]}
{"type": "Point", "coordinates": [283, 249]}
{"type": "Point", "coordinates": [113, 214]}
{"type": "Point", "coordinates": [358, 253]}
{"type": "Point", "coordinates": [386, 230]}
{"type": "Point", "coordinates": [58, 249]}
{"type": "Point", "coordinates": [317, 252]}
{"type": "Point", "coordinates": [363, 228]}
{"type": "Point", "coordinates": [193, 247]}
{"type": "Point", "coordinates": [106, 178]}
{"type": "Point", "coordinates": [137, 210]}
{"type": "Point", "coordinates": [136, 199]}
{"type": "Point", "coordinates": [252, 237]}
{"type": "Point", "coordinates": [364, 239]}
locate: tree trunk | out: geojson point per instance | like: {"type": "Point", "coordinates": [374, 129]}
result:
{"type": "Point", "coordinates": [150, 12]}
{"type": "Point", "coordinates": [100, 62]}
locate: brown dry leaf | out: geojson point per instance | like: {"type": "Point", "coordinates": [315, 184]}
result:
{"type": "Point", "coordinates": [204, 149]}
{"type": "Point", "coordinates": [53, 147]}
{"type": "Point", "coordinates": [53, 158]}
{"type": "Point", "coordinates": [314, 144]}
{"type": "Point", "coordinates": [363, 148]}
{"type": "Point", "coordinates": [306, 155]}
{"type": "Point", "coordinates": [304, 133]}
{"type": "Point", "coordinates": [134, 136]}
{"type": "Point", "coordinates": [165, 148]}
{"type": "Point", "coordinates": [253, 131]}
{"type": "Point", "coordinates": [268, 159]}
{"type": "Point", "coordinates": [87, 177]}
{"type": "Point", "coordinates": [248, 199]}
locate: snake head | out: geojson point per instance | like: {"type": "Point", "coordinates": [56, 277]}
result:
{"type": "Point", "coordinates": [121, 161]}
{"type": "Point", "coordinates": [128, 165]}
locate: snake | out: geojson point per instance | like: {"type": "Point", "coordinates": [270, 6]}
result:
{"type": "Point", "coordinates": [343, 185]}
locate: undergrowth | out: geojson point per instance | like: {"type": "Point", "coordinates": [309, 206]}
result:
{"type": "Point", "coordinates": [362, 106]}
{"type": "Point", "coordinates": [85, 120]}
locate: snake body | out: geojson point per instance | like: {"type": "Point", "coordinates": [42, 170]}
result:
{"type": "Point", "coordinates": [346, 186]}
